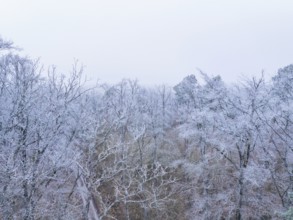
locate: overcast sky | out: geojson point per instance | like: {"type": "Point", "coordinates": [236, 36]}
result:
{"type": "Point", "coordinates": [154, 41]}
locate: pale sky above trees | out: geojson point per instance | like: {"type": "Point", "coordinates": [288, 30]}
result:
{"type": "Point", "coordinates": [154, 41]}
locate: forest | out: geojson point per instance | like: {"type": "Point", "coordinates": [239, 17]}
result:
{"type": "Point", "coordinates": [124, 151]}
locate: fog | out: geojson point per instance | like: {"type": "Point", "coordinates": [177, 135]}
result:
{"type": "Point", "coordinates": [153, 41]}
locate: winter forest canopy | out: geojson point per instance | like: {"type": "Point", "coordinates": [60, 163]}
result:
{"type": "Point", "coordinates": [194, 151]}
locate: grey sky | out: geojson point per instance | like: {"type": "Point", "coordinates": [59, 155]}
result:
{"type": "Point", "coordinates": [155, 41]}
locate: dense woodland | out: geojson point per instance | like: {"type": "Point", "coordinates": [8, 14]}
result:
{"type": "Point", "coordinates": [195, 151]}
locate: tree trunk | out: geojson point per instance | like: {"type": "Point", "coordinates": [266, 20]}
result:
{"type": "Point", "coordinates": [240, 199]}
